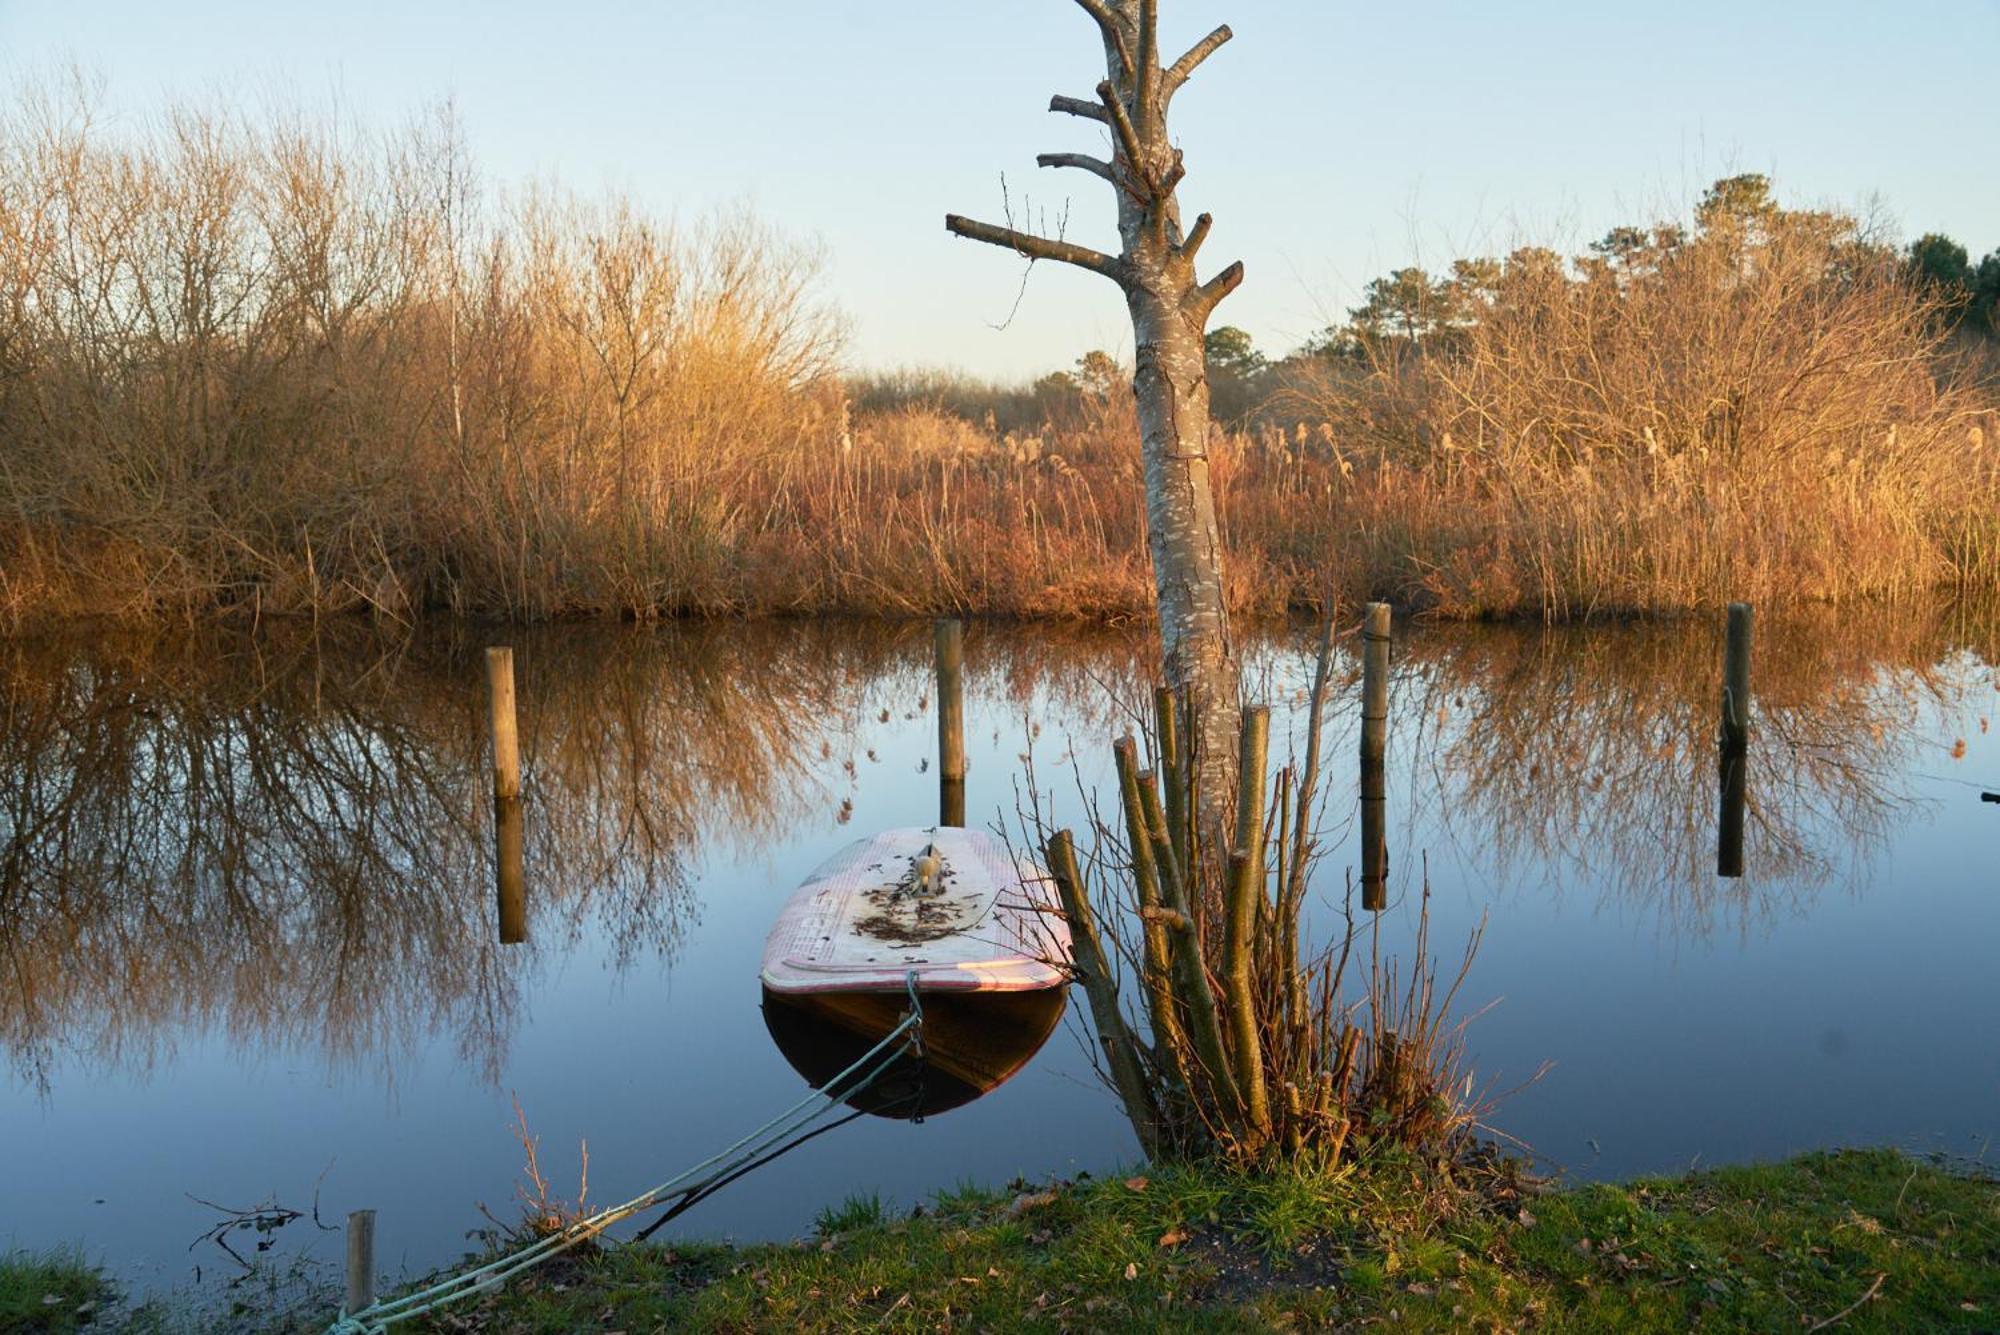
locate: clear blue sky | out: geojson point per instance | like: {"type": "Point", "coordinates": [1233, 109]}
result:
{"type": "Point", "coordinates": [1332, 141]}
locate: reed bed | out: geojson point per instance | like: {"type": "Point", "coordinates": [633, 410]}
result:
{"type": "Point", "coordinates": [1761, 407]}
{"type": "Point", "coordinates": [282, 367]}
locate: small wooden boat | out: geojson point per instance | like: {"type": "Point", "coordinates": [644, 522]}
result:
{"type": "Point", "coordinates": [977, 927]}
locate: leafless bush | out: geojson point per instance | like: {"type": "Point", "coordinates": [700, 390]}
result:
{"type": "Point", "coordinates": [279, 366]}
{"type": "Point", "coordinates": [1241, 1039]}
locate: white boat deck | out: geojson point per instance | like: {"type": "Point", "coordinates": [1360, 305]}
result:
{"type": "Point", "coordinates": [867, 917]}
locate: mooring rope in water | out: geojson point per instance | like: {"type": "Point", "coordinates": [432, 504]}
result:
{"type": "Point", "coordinates": [716, 1170]}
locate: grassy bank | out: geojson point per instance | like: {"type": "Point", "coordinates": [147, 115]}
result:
{"type": "Point", "coordinates": [1891, 1242]}
{"type": "Point", "coordinates": [50, 1291]}
{"type": "Point", "coordinates": [1865, 1240]}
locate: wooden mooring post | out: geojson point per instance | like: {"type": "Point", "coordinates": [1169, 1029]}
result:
{"type": "Point", "coordinates": [360, 1261]}
{"type": "Point", "coordinates": [949, 652]}
{"type": "Point", "coordinates": [507, 827]}
{"type": "Point", "coordinates": [1374, 751]}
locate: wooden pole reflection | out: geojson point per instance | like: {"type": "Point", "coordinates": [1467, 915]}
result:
{"type": "Point", "coordinates": [949, 647]}
{"type": "Point", "coordinates": [1736, 681]}
{"type": "Point", "coordinates": [1374, 750]}
{"type": "Point", "coordinates": [1374, 835]}
{"type": "Point", "coordinates": [507, 832]}
{"type": "Point", "coordinates": [1729, 830]}
{"type": "Point", "coordinates": [1735, 742]}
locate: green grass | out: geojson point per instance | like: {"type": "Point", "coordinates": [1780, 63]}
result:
{"type": "Point", "coordinates": [1854, 1240]}
{"type": "Point", "coordinates": [856, 1212]}
{"type": "Point", "coordinates": [49, 1291]}
{"type": "Point", "coordinates": [1876, 1239]}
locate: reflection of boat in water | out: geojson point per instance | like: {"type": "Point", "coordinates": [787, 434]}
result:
{"type": "Point", "coordinates": [977, 929]}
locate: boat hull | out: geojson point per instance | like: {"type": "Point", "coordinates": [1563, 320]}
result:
{"type": "Point", "coordinates": [950, 913]}
{"type": "Point", "coordinates": [972, 1042]}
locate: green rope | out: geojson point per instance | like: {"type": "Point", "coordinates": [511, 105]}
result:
{"type": "Point", "coordinates": [377, 1318]}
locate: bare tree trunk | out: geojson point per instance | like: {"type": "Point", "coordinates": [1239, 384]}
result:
{"type": "Point", "coordinates": [1170, 310]}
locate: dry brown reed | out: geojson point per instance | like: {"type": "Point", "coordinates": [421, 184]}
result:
{"type": "Point", "coordinates": [283, 366]}
{"type": "Point", "coordinates": [1756, 409]}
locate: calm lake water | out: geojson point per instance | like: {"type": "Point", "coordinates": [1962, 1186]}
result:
{"type": "Point", "coordinates": [247, 928]}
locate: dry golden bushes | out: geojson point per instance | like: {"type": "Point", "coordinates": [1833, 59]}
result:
{"type": "Point", "coordinates": [286, 367]}
{"type": "Point", "coordinates": [1753, 409]}
{"type": "Point", "coordinates": [282, 366]}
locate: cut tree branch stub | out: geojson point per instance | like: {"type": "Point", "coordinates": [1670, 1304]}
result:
{"type": "Point", "coordinates": [1034, 247]}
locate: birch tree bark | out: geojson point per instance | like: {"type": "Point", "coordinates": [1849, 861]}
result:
{"type": "Point", "coordinates": [1170, 308]}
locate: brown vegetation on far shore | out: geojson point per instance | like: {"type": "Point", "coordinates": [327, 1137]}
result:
{"type": "Point", "coordinates": [282, 369]}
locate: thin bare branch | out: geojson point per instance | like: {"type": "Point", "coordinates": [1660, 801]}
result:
{"type": "Point", "coordinates": [1077, 106]}
{"type": "Point", "coordinates": [1205, 298]}
{"type": "Point", "coordinates": [1081, 161]}
{"type": "Point", "coordinates": [1128, 137]}
{"type": "Point", "coordinates": [1196, 235]}
{"type": "Point", "coordinates": [1187, 64]}
{"type": "Point", "coordinates": [1114, 33]}
{"type": "Point", "coordinates": [1034, 247]}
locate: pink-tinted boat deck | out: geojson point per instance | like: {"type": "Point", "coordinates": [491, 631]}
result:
{"type": "Point", "coordinates": [984, 921]}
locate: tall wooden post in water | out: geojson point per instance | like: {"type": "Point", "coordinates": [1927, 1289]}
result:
{"type": "Point", "coordinates": [949, 650]}
{"type": "Point", "coordinates": [1735, 741]}
{"type": "Point", "coordinates": [507, 833]}
{"type": "Point", "coordinates": [1374, 752]}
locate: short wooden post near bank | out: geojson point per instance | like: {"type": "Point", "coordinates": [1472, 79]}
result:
{"type": "Point", "coordinates": [1374, 751]}
{"type": "Point", "coordinates": [360, 1261]}
{"type": "Point", "coordinates": [1735, 747]}
{"type": "Point", "coordinates": [507, 831]}
{"type": "Point", "coordinates": [949, 652]}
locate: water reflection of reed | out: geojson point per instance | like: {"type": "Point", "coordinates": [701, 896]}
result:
{"type": "Point", "coordinates": [1591, 756]}
{"type": "Point", "coordinates": [286, 838]}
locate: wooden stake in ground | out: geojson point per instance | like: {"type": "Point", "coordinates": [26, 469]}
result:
{"type": "Point", "coordinates": [360, 1261]}
{"type": "Point", "coordinates": [1169, 307]}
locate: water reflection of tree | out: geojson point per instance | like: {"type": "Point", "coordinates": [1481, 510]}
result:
{"type": "Point", "coordinates": [286, 838]}
{"type": "Point", "coordinates": [1590, 757]}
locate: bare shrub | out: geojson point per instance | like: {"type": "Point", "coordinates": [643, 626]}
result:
{"type": "Point", "coordinates": [282, 366]}
{"type": "Point", "coordinates": [1242, 1039]}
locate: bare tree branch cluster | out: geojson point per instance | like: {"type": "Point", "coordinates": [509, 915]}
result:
{"type": "Point", "coordinates": [1144, 166]}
